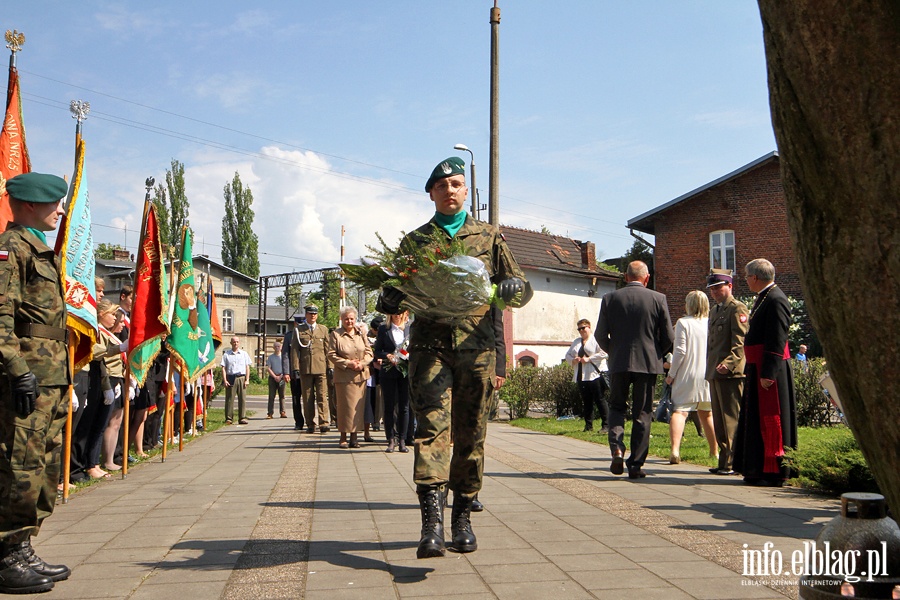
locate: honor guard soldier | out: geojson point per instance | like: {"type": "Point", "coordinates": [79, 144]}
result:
{"type": "Point", "coordinates": [729, 320]}
{"type": "Point", "coordinates": [452, 368]}
{"type": "Point", "coordinates": [34, 379]}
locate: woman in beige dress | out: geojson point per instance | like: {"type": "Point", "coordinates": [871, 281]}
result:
{"type": "Point", "coordinates": [350, 354]}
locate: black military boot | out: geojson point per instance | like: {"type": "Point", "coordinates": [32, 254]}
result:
{"type": "Point", "coordinates": [16, 577]}
{"type": "Point", "coordinates": [431, 544]}
{"type": "Point", "coordinates": [477, 506]}
{"type": "Point", "coordinates": [54, 572]}
{"type": "Point", "coordinates": [461, 525]}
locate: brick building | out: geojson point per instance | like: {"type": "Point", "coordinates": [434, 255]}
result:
{"type": "Point", "coordinates": [723, 224]}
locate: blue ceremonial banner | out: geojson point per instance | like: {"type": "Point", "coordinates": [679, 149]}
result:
{"type": "Point", "coordinates": [75, 248]}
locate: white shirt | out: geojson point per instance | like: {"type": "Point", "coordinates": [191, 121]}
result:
{"type": "Point", "coordinates": [689, 361]}
{"type": "Point", "coordinates": [596, 356]}
{"type": "Point", "coordinates": [235, 362]}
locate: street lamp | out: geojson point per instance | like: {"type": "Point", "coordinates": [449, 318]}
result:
{"type": "Point", "coordinates": [465, 148]}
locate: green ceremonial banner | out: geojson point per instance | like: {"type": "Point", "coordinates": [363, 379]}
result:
{"type": "Point", "coordinates": [184, 339]}
{"type": "Point", "coordinates": [206, 350]}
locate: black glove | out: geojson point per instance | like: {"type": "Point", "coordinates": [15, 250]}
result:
{"type": "Point", "coordinates": [389, 301]}
{"type": "Point", "coordinates": [508, 288]}
{"type": "Point", "coordinates": [24, 393]}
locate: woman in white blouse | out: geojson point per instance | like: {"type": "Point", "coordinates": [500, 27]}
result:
{"type": "Point", "coordinates": [687, 376]}
{"type": "Point", "coordinates": [589, 364]}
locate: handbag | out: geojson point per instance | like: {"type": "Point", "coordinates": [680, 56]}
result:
{"type": "Point", "coordinates": [664, 408]}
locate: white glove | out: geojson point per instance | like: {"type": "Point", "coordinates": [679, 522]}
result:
{"type": "Point", "coordinates": [123, 347]}
{"type": "Point", "coordinates": [118, 390]}
{"type": "Point", "coordinates": [132, 392]}
{"type": "Point", "coordinates": [109, 396]}
{"type": "Point", "coordinates": [74, 402]}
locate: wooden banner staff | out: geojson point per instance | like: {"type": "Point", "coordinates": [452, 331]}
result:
{"type": "Point", "coordinates": [67, 449]}
{"type": "Point", "coordinates": [165, 432]}
{"type": "Point", "coordinates": [181, 410]}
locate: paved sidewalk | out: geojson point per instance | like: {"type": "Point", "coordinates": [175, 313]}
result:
{"type": "Point", "coordinates": [261, 511]}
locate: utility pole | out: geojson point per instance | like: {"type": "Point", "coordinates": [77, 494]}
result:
{"type": "Point", "coordinates": [494, 183]}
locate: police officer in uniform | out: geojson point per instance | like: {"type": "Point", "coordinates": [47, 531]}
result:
{"type": "Point", "coordinates": [729, 320]}
{"type": "Point", "coordinates": [309, 364]}
{"type": "Point", "coordinates": [34, 378]}
{"type": "Point", "coordinates": [452, 369]}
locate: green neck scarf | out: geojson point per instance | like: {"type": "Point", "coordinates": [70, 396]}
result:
{"type": "Point", "coordinates": [38, 234]}
{"type": "Point", "coordinates": [450, 223]}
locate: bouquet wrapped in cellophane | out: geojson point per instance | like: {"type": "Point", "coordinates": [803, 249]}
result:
{"type": "Point", "coordinates": [440, 281]}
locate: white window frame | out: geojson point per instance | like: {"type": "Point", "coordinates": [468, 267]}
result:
{"type": "Point", "coordinates": [228, 320]}
{"type": "Point", "coordinates": [721, 248]}
{"type": "Point", "coordinates": [281, 329]}
{"type": "Point", "coordinates": [227, 285]}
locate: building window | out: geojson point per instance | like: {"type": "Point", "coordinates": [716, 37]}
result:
{"type": "Point", "coordinates": [721, 250]}
{"type": "Point", "coordinates": [228, 320]}
{"type": "Point", "coordinates": [226, 285]}
{"type": "Point", "coordinates": [281, 329]}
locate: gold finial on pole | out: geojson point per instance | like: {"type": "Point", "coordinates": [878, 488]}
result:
{"type": "Point", "coordinates": [14, 40]}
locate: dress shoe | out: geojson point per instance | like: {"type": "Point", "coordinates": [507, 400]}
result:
{"type": "Point", "coordinates": [403, 448]}
{"type": "Point", "coordinates": [283, 415]}
{"type": "Point", "coordinates": [477, 506]}
{"type": "Point", "coordinates": [323, 430]}
{"type": "Point", "coordinates": [310, 430]}
{"type": "Point", "coordinates": [16, 577]}
{"type": "Point", "coordinates": [431, 543]}
{"type": "Point", "coordinates": [636, 473]}
{"type": "Point", "coordinates": [714, 470]}
{"type": "Point", "coordinates": [54, 572]}
{"type": "Point", "coordinates": [588, 427]}
{"type": "Point", "coordinates": [603, 430]}
{"type": "Point", "coordinates": [724, 472]}
{"type": "Point", "coordinates": [368, 438]}
{"type": "Point", "coordinates": [617, 466]}
{"type": "Point", "coordinates": [243, 422]}
{"type": "Point", "coordinates": [269, 417]}
{"type": "Point", "coordinates": [463, 539]}
{"type": "Point", "coordinates": [390, 447]}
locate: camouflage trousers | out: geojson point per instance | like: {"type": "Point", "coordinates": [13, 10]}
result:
{"type": "Point", "coordinates": [450, 391]}
{"type": "Point", "coordinates": [30, 462]}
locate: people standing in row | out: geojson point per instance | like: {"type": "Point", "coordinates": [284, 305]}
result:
{"type": "Point", "coordinates": [34, 380]}
{"type": "Point", "coordinates": [453, 365]}
{"type": "Point", "coordinates": [309, 363]}
{"type": "Point", "coordinates": [634, 328]}
{"type": "Point", "coordinates": [236, 375]}
{"type": "Point", "coordinates": [768, 419]}
{"type": "Point", "coordinates": [350, 354]}
{"type": "Point", "coordinates": [687, 375]}
{"type": "Point", "coordinates": [390, 348]}
{"type": "Point", "coordinates": [728, 324]}
{"type": "Point", "coordinates": [276, 381]}
{"type": "Point", "coordinates": [588, 361]}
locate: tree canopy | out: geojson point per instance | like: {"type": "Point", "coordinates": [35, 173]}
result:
{"type": "Point", "coordinates": [240, 246]}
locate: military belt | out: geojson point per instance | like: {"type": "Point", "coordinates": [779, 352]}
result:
{"type": "Point", "coordinates": [37, 330]}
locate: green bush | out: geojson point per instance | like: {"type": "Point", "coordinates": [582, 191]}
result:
{"type": "Point", "coordinates": [832, 463]}
{"type": "Point", "coordinates": [814, 408]}
{"type": "Point", "coordinates": [549, 390]}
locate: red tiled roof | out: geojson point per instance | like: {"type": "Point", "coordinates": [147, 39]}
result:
{"type": "Point", "coordinates": [536, 250]}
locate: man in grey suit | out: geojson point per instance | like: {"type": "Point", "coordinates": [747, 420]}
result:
{"type": "Point", "coordinates": [634, 328]}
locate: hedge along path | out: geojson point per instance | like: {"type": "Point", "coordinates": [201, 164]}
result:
{"type": "Point", "coordinates": [704, 544]}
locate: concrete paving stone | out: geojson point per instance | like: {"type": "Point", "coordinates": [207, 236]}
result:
{"type": "Point", "coordinates": [540, 590]}
{"type": "Point", "coordinates": [606, 579]}
{"type": "Point", "coordinates": [104, 588]}
{"type": "Point", "coordinates": [660, 593]}
{"type": "Point", "coordinates": [542, 571]}
{"type": "Point", "coordinates": [440, 585]}
{"type": "Point", "coordinates": [645, 540]}
{"type": "Point", "coordinates": [348, 594]}
{"type": "Point", "coordinates": [205, 590]}
{"type": "Point", "coordinates": [592, 562]}
{"type": "Point", "coordinates": [668, 570]}
{"type": "Point", "coordinates": [169, 576]}
{"type": "Point", "coordinates": [349, 578]}
{"type": "Point", "coordinates": [200, 559]}
{"type": "Point", "coordinates": [90, 573]}
{"type": "Point", "coordinates": [565, 534]}
{"type": "Point", "coordinates": [555, 547]}
{"type": "Point", "coordinates": [512, 556]}
{"type": "Point", "coordinates": [502, 540]}
{"type": "Point", "coordinates": [716, 588]}
{"type": "Point", "coordinates": [407, 565]}
{"type": "Point", "coordinates": [661, 552]}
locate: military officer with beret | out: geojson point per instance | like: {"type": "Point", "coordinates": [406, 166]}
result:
{"type": "Point", "coordinates": [309, 364]}
{"type": "Point", "coordinates": [34, 377]}
{"type": "Point", "coordinates": [452, 368]}
{"type": "Point", "coordinates": [728, 323]}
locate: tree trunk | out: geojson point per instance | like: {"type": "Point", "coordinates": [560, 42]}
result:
{"type": "Point", "coordinates": [834, 88]}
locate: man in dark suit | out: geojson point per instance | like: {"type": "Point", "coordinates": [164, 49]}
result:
{"type": "Point", "coordinates": [768, 419]}
{"type": "Point", "coordinates": [634, 328]}
{"type": "Point", "coordinates": [294, 382]}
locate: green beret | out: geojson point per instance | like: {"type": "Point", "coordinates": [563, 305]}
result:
{"type": "Point", "coordinates": [37, 187]}
{"type": "Point", "coordinates": [449, 166]}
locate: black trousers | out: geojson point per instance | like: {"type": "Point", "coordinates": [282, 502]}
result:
{"type": "Point", "coordinates": [396, 399]}
{"type": "Point", "coordinates": [297, 403]}
{"type": "Point", "coordinates": [593, 393]}
{"type": "Point", "coordinates": [642, 386]}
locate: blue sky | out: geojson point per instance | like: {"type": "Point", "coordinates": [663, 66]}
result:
{"type": "Point", "coordinates": [334, 113]}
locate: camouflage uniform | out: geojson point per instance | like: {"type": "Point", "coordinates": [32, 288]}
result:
{"type": "Point", "coordinates": [451, 371]}
{"type": "Point", "coordinates": [32, 338]}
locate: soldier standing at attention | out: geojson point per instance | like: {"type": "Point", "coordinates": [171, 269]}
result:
{"type": "Point", "coordinates": [452, 368]}
{"type": "Point", "coordinates": [309, 363]}
{"type": "Point", "coordinates": [33, 379]}
{"type": "Point", "coordinates": [729, 320]}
